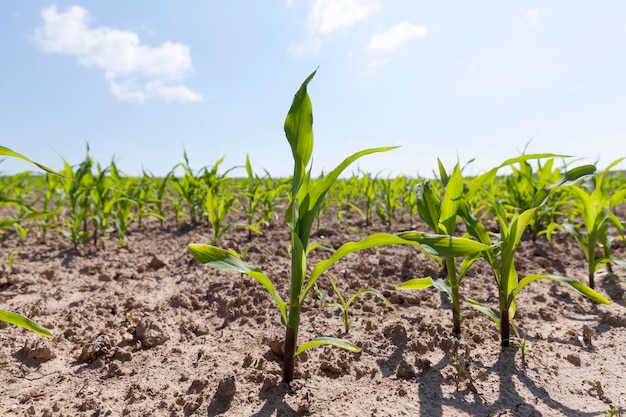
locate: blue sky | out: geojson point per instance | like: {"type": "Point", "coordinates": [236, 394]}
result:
{"type": "Point", "coordinates": [142, 81]}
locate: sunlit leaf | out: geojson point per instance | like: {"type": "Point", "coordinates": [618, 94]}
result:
{"type": "Point", "coordinates": [332, 341]}
{"type": "Point", "coordinates": [24, 322]}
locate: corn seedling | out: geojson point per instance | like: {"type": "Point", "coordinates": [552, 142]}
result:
{"type": "Point", "coordinates": [78, 199]}
{"type": "Point", "coordinates": [217, 207]}
{"type": "Point", "coordinates": [409, 199]}
{"type": "Point", "coordinates": [389, 196]}
{"type": "Point", "coordinates": [305, 200]}
{"type": "Point", "coordinates": [158, 188]}
{"type": "Point", "coordinates": [102, 194]}
{"type": "Point", "coordinates": [8, 316]}
{"type": "Point", "coordinates": [188, 189]}
{"type": "Point", "coordinates": [522, 186]}
{"type": "Point", "coordinates": [594, 205]}
{"type": "Point", "coordinates": [367, 186]}
{"type": "Point", "coordinates": [252, 200]}
{"type": "Point", "coordinates": [344, 304]}
{"type": "Point", "coordinates": [502, 256]}
{"type": "Point", "coordinates": [48, 222]}
{"type": "Point", "coordinates": [440, 213]}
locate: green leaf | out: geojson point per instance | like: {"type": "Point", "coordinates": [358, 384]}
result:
{"type": "Point", "coordinates": [313, 199]}
{"type": "Point", "coordinates": [254, 229]}
{"type": "Point", "coordinates": [443, 245]}
{"type": "Point", "coordinates": [299, 131]}
{"type": "Point", "coordinates": [24, 322]}
{"type": "Point", "coordinates": [621, 263]}
{"type": "Point", "coordinates": [332, 341]}
{"type": "Point", "coordinates": [373, 292]}
{"type": "Point", "coordinates": [228, 261]}
{"type": "Point", "coordinates": [375, 240]}
{"type": "Point", "coordinates": [488, 176]}
{"type": "Point", "coordinates": [416, 284]}
{"type": "Point", "coordinates": [450, 202]}
{"type": "Point", "coordinates": [485, 310]}
{"type": "Point", "coordinates": [467, 262]}
{"type": "Point", "coordinates": [427, 204]}
{"type": "Point", "coordinates": [443, 175]}
{"type": "Point", "coordinates": [443, 285]}
{"type": "Point", "coordinates": [576, 285]}
{"type": "Point", "coordinates": [575, 174]}
{"type": "Point", "coordinates": [8, 152]}
{"type": "Point", "coordinates": [315, 246]}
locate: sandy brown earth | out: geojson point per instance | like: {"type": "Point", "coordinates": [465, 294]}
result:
{"type": "Point", "coordinates": [147, 331]}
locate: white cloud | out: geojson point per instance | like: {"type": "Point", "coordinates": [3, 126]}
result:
{"type": "Point", "coordinates": [328, 16]}
{"type": "Point", "coordinates": [531, 17]}
{"type": "Point", "coordinates": [394, 37]}
{"type": "Point", "coordinates": [176, 93]}
{"type": "Point", "coordinates": [377, 63]}
{"type": "Point", "coordinates": [135, 71]}
{"type": "Point", "coordinates": [296, 50]}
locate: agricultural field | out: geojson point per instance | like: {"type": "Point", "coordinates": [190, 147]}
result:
{"type": "Point", "coordinates": [199, 293]}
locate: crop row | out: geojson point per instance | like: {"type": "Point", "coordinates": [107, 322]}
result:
{"type": "Point", "coordinates": [469, 218]}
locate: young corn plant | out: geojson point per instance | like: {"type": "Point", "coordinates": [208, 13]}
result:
{"type": "Point", "coordinates": [305, 200]}
{"type": "Point", "coordinates": [217, 206]}
{"type": "Point", "coordinates": [188, 188]}
{"type": "Point", "coordinates": [304, 205]}
{"type": "Point", "coordinates": [252, 201]}
{"type": "Point", "coordinates": [272, 190]}
{"type": "Point", "coordinates": [344, 305]}
{"type": "Point", "coordinates": [367, 187]}
{"type": "Point", "coordinates": [389, 195]}
{"type": "Point", "coordinates": [501, 257]}
{"type": "Point", "coordinates": [8, 316]}
{"type": "Point", "coordinates": [523, 184]}
{"type": "Point", "coordinates": [594, 206]}
{"type": "Point", "coordinates": [102, 194]}
{"type": "Point", "coordinates": [78, 198]}
{"type": "Point", "coordinates": [49, 221]}
{"type": "Point", "coordinates": [440, 213]}
{"type": "Point", "coordinates": [158, 189]}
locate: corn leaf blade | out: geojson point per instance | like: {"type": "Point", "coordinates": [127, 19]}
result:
{"type": "Point", "coordinates": [485, 310]}
{"type": "Point", "coordinates": [443, 245]}
{"type": "Point", "coordinates": [576, 285]}
{"type": "Point", "coordinates": [299, 131]}
{"type": "Point", "coordinates": [228, 261]}
{"type": "Point", "coordinates": [416, 284]}
{"type": "Point", "coordinates": [24, 322]}
{"type": "Point", "coordinates": [332, 341]}
{"type": "Point", "coordinates": [8, 152]}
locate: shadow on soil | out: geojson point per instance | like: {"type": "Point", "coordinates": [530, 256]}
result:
{"type": "Point", "coordinates": [432, 401]}
{"type": "Point", "coordinates": [275, 403]}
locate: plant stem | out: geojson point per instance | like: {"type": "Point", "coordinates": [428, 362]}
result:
{"type": "Point", "coordinates": [450, 266]}
{"type": "Point", "coordinates": [504, 327]}
{"type": "Point", "coordinates": [291, 340]}
{"type": "Point", "coordinates": [456, 311]}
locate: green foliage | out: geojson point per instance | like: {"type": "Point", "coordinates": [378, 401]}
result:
{"type": "Point", "coordinates": [344, 305]}
{"type": "Point", "coordinates": [8, 316]}
{"type": "Point", "coordinates": [522, 186]}
{"type": "Point", "coordinates": [594, 205]}
{"type": "Point", "coordinates": [440, 213]}
{"type": "Point", "coordinates": [305, 201]}
{"type": "Point", "coordinates": [502, 256]}
{"type": "Point", "coordinates": [24, 322]}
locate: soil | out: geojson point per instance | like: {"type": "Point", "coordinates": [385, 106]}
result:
{"type": "Point", "coordinates": [145, 330]}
